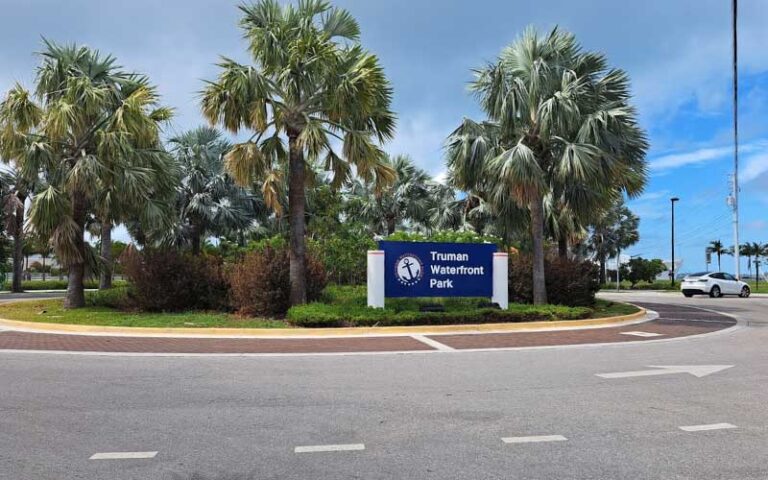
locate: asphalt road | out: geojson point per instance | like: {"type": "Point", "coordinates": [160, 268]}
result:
{"type": "Point", "coordinates": [406, 416]}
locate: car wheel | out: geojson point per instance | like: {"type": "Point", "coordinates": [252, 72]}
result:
{"type": "Point", "coordinates": [687, 295]}
{"type": "Point", "coordinates": [745, 292]}
{"type": "Point", "coordinates": [715, 292]}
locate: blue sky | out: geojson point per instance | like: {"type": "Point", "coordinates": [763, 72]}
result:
{"type": "Point", "coordinates": [677, 54]}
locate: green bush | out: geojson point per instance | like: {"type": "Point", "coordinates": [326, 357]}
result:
{"type": "Point", "coordinates": [117, 297]}
{"type": "Point", "coordinates": [56, 284]}
{"type": "Point", "coordinates": [569, 282]}
{"type": "Point", "coordinates": [344, 256]}
{"type": "Point", "coordinates": [346, 307]}
{"type": "Point", "coordinates": [448, 236]}
{"type": "Point", "coordinates": [324, 315]}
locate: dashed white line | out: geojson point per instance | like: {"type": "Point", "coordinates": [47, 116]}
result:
{"type": "Point", "coordinates": [329, 448]}
{"type": "Point", "coordinates": [703, 428]}
{"type": "Point", "coordinates": [642, 334]}
{"type": "Point", "coordinates": [534, 439]}
{"type": "Point", "coordinates": [432, 343]}
{"type": "Point", "coordinates": [122, 455]}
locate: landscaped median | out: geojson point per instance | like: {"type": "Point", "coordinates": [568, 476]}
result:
{"type": "Point", "coordinates": [340, 307]}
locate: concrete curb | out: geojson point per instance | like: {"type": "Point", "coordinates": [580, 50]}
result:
{"type": "Point", "coordinates": [68, 329]}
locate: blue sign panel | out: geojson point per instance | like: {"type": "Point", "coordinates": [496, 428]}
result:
{"type": "Point", "coordinates": [421, 269]}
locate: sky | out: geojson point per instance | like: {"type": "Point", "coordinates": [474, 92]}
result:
{"type": "Point", "coordinates": [677, 53]}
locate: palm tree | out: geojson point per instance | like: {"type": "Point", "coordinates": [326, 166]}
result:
{"type": "Point", "coordinates": [717, 247]}
{"type": "Point", "coordinates": [407, 200]}
{"type": "Point", "coordinates": [559, 122]}
{"type": "Point", "coordinates": [311, 81]}
{"type": "Point", "coordinates": [208, 202]}
{"type": "Point", "coordinates": [94, 128]}
{"type": "Point", "coordinates": [750, 250]}
{"type": "Point", "coordinates": [614, 231]}
{"type": "Point", "coordinates": [15, 191]}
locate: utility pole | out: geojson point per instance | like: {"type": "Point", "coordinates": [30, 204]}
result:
{"type": "Point", "coordinates": [672, 273]}
{"type": "Point", "coordinates": [735, 195]}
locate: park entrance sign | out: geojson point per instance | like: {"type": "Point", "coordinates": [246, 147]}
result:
{"type": "Point", "coordinates": [428, 269]}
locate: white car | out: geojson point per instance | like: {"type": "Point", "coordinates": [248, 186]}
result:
{"type": "Point", "coordinates": [715, 284]}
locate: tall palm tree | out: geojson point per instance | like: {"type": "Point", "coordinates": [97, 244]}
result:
{"type": "Point", "coordinates": [559, 122]}
{"type": "Point", "coordinates": [209, 203]}
{"type": "Point", "coordinates": [717, 247]}
{"type": "Point", "coordinates": [91, 128]}
{"type": "Point", "coordinates": [311, 81]}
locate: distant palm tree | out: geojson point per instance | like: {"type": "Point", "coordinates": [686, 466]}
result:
{"type": "Point", "coordinates": [717, 247]}
{"type": "Point", "coordinates": [750, 250]}
{"type": "Point", "coordinates": [311, 81]}
{"type": "Point", "coordinates": [407, 200]}
{"type": "Point", "coordinates": [209, 203]}
{"type": "Point", "coordinates": [559, 123]}
{"type": "Point", "coordinates": [15, 188]}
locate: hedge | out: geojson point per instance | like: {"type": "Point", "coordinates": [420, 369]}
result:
{"type": "Point", "coordinates": [324, 315]}
{"type": "Point", "coordinates": [58, 284]}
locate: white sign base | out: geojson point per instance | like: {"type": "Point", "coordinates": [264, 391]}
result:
{"type": "Point", "coordinates": [376, 278]}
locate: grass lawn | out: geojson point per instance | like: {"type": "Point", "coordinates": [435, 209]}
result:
{"type": "Point", "coordinates": [51, 311]}
{"type": "Point", "coordinates": [342, 306]}
{"type": "Point", "coordinates": [606, 308]}
{"type": "Point", "coordinates": [763, 287]}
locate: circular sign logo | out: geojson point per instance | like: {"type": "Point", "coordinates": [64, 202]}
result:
{"type": "Point", "coordinates": [409, 269]}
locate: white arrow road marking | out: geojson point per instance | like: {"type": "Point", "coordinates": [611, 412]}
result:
{"type": "Point", "coordinates": [122, 455]}
{"type": "Point", "coordinates": [535, 439]}
{"type": "Point", "coordinates": [329, 448]}
{"type": "Point", "coordinates": [642, 334]}
{"type": "Point", "coordinates": [702, 428]}
{"type": "Point", "coordinates": [695, 370]}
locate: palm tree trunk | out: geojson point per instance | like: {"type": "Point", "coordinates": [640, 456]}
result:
{"type": "Point", "coordinates": [537, 237]}
{"type": "Point", "coordinates": [296, 200]}
{"type": "Point", "coordinates": [18, 250]}
{"type": "Point", "coordinates": [43, 256]}
{"type": "Point", "coordinates": [75, 297]}
{"type": "Point", "coordinates": [562, 247]}
{"type": "Point", "coordinates": [391, 225]}
{"type": "Point", "coordinates": [195, 240]}
{"type": "Point", "coordinates": [601, 259]}
{"type": "Point", "coordinates": [105, 282]}
{"type": "Point", "coordinates": [718, 262]}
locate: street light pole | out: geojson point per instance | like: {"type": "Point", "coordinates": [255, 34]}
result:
{"type": "Point", "coordinates": [672, 268]}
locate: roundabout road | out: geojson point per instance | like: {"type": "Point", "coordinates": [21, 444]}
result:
{"type": "Point", "coordinates": [689, 408]}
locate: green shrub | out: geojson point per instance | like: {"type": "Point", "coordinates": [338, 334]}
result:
{"type": "Point", "coordinates": [344, 256]}
{"type": "Point", "coordinates": [260, 282]}
{"type": "Point", "coordinates": [56, 284]}
{"type": "Point", "coordinates": [569, 282]}
{"type": "Point", "coordinates": [167, 280]}
{"type": "Point", "coordinates": [448, 236]}
{"type": "Point", "coordinates": [315, 315]}
{"type": "Point", "coordinates": [117, 297]}
{"type": "Point", "coordinates": [344, 306]}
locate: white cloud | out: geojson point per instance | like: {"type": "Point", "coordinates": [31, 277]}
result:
{"type": "Point", "coordinates": [702, 155]}
{"type": "Point", "coordinates": [441, 177]}
{"type": "Point", "coordinates": [678, 160]}
{"type": "Point", "coordinates": [420, 137]}
{"type": "Point", "coordinates": [754, 167]}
